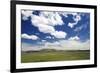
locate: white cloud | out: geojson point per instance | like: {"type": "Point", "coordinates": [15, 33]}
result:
{"type": "Point", "coordinates": [46, 22]}
{"type": "Point", "coordinates": [54, 45]}
{"type": "Point", "coordinates": [30, 47]}
{"type": "Point", "coordinates": [76, 18]}
{"type": "Point", "coordinates": [71, 25]}
{"type": "Point", "coordinates": [65, 14]}
{"type": "Point", "coordinates": [59, 34]}
{"type": "Point", "coordinates": [54, 18]}
{"type": "Point", "coordinates": [46, 29]}
{"type": "Point", "coordinates": [49, 37]}
{"type": "Point", "coordinates": [75, 45]}
{"type": "Point", "coordinates": [32, 37]}
{"type": "Point", "coordinates": [26, 14]}
{"type": "Point", "coordinates": [41, 22]}
{"type": "Point", "coordinates": [47, 18]}
{"type": "Point", "coordinates": [74, 38]}
{"type": "Point", "coordinates": [68, 45]}
{"type": "Point", "coordinates": [37, 20]}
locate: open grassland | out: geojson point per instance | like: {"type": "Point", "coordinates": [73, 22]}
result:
{"type": "Point", "coordinates": [45, 56]}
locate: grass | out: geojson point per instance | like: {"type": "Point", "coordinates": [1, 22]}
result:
{"type": "Point", "coordinates": [54, 56]}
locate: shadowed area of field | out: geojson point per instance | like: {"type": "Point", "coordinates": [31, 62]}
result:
{"type": "Point", "coordinates": [49, 55]}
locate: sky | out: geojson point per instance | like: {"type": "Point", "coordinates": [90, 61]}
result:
{"type": "Point", "coordinates": [62, 30]}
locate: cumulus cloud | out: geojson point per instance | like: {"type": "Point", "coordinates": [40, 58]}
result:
{"type": "Point", "coordinates": [32, 37]}
{"type": "Point", "coordinates": [76, 18]}
{"type": "Point", "coordinates": [47, 18]}
{"type": "Point", "coordinates": [59, 34]}
{"type": "Point", "coordinates": [65, 14]}
{"type": "Point", "coordinates": [54, 18]}
{"type": "Point", "coordinates": [74, 38]}
{"type": "Point", "coordinates": [41, 23]}
{"type": "Point", "coordinates": [37, 20]}
{"type": "Point", "coordinates": [26, 14]}
{"type": "Point", "coordinates": [46, 29]}
{"type": "Point", "coordinates": [46, 22]}
{"type": "Point", "coordinates": [71, 25]}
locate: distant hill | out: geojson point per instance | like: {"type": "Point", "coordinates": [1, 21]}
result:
{"type": "Point", "coordinates": [52, 50]}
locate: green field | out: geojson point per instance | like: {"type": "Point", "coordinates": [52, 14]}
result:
{"type": "Point", "coordinates": [45, 56]}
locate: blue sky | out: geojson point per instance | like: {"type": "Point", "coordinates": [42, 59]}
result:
{"type": "Point", "coordinates": [39, 28]}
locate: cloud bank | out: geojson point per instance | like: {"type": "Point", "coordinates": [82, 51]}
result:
{"type": "Point", "coordinates": [32, 37]}
{"type": "Point", "coordinates": [60, 45]}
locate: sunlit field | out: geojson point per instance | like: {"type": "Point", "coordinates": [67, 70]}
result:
{"type": "Point", "coordinates": [51, 55]}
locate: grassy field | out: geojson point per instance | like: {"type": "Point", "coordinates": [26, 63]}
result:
{"type": "Point", "coordinates": [45, 56]}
